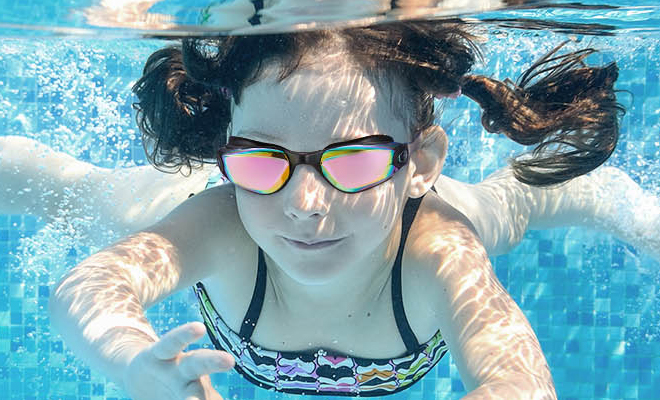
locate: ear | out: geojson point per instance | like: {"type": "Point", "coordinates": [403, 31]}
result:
{"type": "Point", "coordinates": [427, 156]}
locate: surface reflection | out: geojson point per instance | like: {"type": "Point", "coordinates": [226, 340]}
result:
{"type": "Point", "coordinates": [127, 14]}
{"type": "Point", "coordinates": [136, 18]}
{"type": "Point", "coordinates": [158, 19]}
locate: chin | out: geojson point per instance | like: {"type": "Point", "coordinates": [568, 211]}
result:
{"type": "Point", "coordinates": [314, 273]}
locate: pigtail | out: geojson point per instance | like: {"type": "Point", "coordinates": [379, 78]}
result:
{"type": "Point", "coordinates": [570, 112]}
{"type": "Point", "coordinates": [183, 122]}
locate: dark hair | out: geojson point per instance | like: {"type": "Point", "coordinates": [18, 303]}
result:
{"type": "Point", "coordinates": [568, 109]}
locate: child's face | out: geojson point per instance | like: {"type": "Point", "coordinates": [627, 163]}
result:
{"type": "Point", "coordinates": [313, 231]}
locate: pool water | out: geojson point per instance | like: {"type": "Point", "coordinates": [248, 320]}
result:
{"type": "Point", "coordinates": [593, 301]}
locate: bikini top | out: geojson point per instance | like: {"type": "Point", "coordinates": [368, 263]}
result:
{"type": "Point", "coordinates": [321, 372]}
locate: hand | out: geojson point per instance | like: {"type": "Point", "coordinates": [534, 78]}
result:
{"type": "Point", "coordinates": [163, 371]}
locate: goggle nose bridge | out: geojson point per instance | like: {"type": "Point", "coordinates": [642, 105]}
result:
{"type": "Point", "coordinates": [312, 158]}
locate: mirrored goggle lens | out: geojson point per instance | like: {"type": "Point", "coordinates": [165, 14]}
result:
{"type": "Point", "coordinates": [261, 171]}
{"type": "Point", "coordinates": [356, 168]}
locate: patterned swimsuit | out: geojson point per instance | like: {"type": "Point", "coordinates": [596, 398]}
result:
{"type": "Point", "coordinates": [319, 372]}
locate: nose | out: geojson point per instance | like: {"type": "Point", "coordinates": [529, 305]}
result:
{"type": "Point", "coordinates": [306, 194]}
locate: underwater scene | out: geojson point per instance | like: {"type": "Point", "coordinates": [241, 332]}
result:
{"type": "Point", "coordinates": [588, 280]}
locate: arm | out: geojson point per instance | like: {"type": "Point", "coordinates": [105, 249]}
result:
{"type": "Point", "coordinates": [502, 209]}
{"type": "Point", "coordinates": [98, 306]}
{"type": "Point", "coordinates": [489, 338]}
{"type": "Point", "coordinates": [33, 176]}
{"type": "Point", "coordinates": [40, 181]}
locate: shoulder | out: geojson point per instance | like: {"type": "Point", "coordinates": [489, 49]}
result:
{"type": "Point", "coordinates": [445, 253]}
{"type": "Point", "coordinates": [439, 228]}
{"type": "Point", "coordinates": [208, 205]}
{"type": "Point", "coordinates": [206, 228]}
{"type": "Point", "coordinates": [443, 247]}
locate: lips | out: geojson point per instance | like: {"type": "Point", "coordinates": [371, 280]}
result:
{"type": "Point", "coordinates": [312, 244]}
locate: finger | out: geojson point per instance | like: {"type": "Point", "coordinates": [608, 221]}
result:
{"type": "Point", "coordinates": [198, 363]}
{"type": "Point", "coordinates": [174, 341]}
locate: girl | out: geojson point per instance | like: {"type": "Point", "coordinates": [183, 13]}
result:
{"type": "Point", "coordinates": [328, 267]}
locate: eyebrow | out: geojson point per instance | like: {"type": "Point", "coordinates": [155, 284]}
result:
{"type": "Point", "coordinates": [258, 135]}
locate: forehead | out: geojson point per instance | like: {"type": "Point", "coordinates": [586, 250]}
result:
{"type": "Point", "coordinates": [324, 102]}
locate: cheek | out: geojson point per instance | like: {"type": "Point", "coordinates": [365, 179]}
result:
{"type": "Point", "coordinates": [394, 199]}
{"type": "Point", "coordinates": [376, 209]}
{"type": "Point", "coordinates": [249, 209]}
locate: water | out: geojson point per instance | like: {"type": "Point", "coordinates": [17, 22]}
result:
{"type": "Point", "coordinates": [592, 299]}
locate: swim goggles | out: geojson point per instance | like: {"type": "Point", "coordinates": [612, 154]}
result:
{"type": "Point", "coordinates": [351, 166]}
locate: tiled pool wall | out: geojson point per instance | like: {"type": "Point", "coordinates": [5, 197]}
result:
{"type": "Point", "coordinates": [592, 300]}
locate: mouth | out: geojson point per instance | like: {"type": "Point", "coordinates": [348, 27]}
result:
{"type": "Point", "coordinates": [312, 244]}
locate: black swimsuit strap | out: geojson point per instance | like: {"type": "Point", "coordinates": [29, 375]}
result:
{"type": "Point", "coordinates": [258, 296]}
{"type": "Point", "coordinates": [409, 212]}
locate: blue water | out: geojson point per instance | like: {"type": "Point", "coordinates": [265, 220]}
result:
{"type": "Point", "coordinates": [593, 301]}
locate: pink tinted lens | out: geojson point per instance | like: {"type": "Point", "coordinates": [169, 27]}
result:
{"type": "Point", "coordinates": [355, 168]}
{"type": "Point", "coordinates": [262, 171]}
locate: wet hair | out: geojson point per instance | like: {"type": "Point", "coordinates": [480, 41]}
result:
{"type": "Point", "coordinates": [561, 105]}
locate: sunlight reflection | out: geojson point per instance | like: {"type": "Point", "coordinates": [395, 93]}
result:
{"type": "Point", "coordinates": [113, 276]}
{"type": "Point", "coordinates": [348, 97]}
{"type": "Point", "coordinates": [488, 309]}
